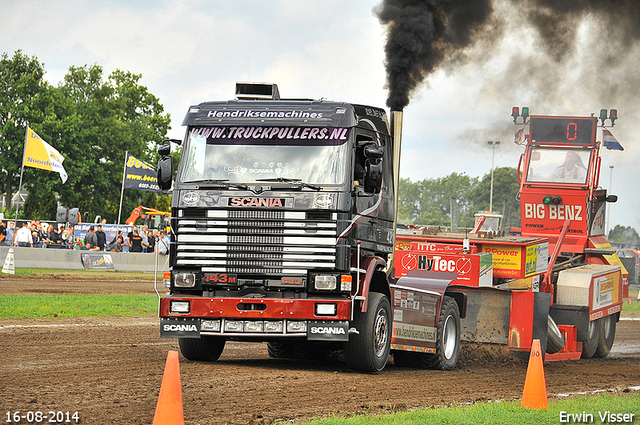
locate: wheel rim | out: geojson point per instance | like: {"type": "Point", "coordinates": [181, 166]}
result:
{"type": "Point", "coordinates": [592, 329]}
{"type": "Point", "coordinates": [381, 333]}
{"type": "Point", "coordinates": [607, 326]}
{"type": "Point", "coordinates": [449, 337]}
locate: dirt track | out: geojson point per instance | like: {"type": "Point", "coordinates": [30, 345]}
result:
{"type": "Point", "coordinates": [110, 370]}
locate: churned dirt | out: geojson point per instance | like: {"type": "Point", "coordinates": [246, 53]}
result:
{"type": "Point", "coordinates": [109, 370]}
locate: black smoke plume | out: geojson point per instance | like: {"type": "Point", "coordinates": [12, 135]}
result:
{"type": "Point", "coordinates": [421, 34]}
{"type": "Point", "coordinates": [425, 35]}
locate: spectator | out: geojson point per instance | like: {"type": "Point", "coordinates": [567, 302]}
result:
{"type": "Point", "coordinates": [3, 233]}
{"type": "Point", "coordinates": [163, 243]}
{"type": "Point", "coordinates": [131, 234]}
{"type": "Point", "coordinates": [144, 234]}
{"type": "Point", "coordinates": [116, 245]}
{"type": "Point", "coordinates": [23, 236]}
{"type": "Point", "coordinates": [77, 244]}
{"type": "Point", "coordinates": [10, 233]}
{"type": "Point", "coordinates": [88, 247]}
{"type": "Point", "coordinates": [40, 236]}
{"type": "Point", "coordinates": [54, 236]}
{"type": "Point", "coordinates": [152, 241]}
{"type": "Point", "coordinates": [119, 235]}
{"type": "Point", "coordinates": [91, 237]}
{"type": "Point", "coordinates": [135, 241]}
{"type": "Point", "coordinates": [102, 238]}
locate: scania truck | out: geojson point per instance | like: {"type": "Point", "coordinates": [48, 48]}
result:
{"type": "Point", "coordinates": [283, 219]}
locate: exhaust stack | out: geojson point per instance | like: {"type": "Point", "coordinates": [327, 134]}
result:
{"type": "Point", "coordinates": [396, 132]}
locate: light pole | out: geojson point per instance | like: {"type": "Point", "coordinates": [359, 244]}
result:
{"type": "Point", "coordinates": [608, 203]}
{"type": "Point", "coordinates": [493, 155]}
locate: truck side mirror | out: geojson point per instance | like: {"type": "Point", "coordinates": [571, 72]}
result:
{"type": "Point", "coordinates": [164, 149]}
{"type": "Point", "coordinates": [373, 151]}
{"type": "Point", "coordinates": [373, 176]}
{"type": "Point", "coordinates": [165, 172]}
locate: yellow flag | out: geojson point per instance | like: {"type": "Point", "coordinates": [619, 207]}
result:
{"type": "Point", "coordinates": [40, 154]}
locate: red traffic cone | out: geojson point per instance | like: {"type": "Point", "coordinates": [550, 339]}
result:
{"type": "Point", "coordinates": [169, 407]}
{"type": "Point", "coordinates": [534, 395]}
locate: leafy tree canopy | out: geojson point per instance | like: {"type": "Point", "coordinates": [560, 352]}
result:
{"type": "Point", "coordinates": [92, 122]}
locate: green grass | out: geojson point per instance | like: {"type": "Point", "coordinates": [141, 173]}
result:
{"type": "Point", "coordinates": [106, 274]}
{"type": "Point", "coordinates": [508, 412]}
{"type": "Point", "coordinates": [70, 305]}
{"type": "Point", "coordinates": [633, 309]}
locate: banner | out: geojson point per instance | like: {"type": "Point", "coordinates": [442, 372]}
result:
{"type": "Point", "coordinates": [39, 154]}
{"type": "Point", "coordinates": [140, 175]}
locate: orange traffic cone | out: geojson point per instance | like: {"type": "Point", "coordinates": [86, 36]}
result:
{"type": "Point", "coordinates": [534, 395]}
{"type": "Point", "coordinates": [169, 407]}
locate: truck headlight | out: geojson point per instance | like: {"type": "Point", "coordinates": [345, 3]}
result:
{"type": "Point", "coordinates": [183, 307]}
{"type": "Point", "coordinates": [184, 280]}
{"type": "Point", "coordinates": [325, 282]}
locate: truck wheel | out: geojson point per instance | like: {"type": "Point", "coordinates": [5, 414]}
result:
{"type": "Point", "coordinates": [279, 350]}
{"type": "Point", "coordinates": [590, 345]}
{"type": "Point", "coordinates": [555, 339]}
{"type": "Point", "coordinates": [607, 335]}
{"type": "Point", "coordinates": [205, 348]}
{"type": "Point", "coordinates": [368, 351]}
{"type": "Point", "coordinates": [448, 341]}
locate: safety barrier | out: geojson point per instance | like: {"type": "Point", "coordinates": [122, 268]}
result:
{"type": "Point", "coordinates": [71, 259]}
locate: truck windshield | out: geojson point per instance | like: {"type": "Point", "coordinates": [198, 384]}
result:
{"type": "Point", "coordinates": [315, 155]}
{"type": "Point", "coordinates": [558, 165]}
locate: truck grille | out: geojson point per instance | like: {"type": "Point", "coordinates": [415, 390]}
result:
{"type": "Point", "coordinates": [267, 243]}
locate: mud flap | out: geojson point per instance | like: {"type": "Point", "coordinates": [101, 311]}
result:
{"type": "Point", "coordinates": [179, 327]}
{"type": "Point", "coordinates": [328, 330]}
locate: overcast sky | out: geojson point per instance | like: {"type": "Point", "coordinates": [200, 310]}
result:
{"type": "Point", "coordinates": [193, 51]}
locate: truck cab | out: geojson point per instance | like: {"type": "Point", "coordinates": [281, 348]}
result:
{"type": "Point", "coordinates": [283, 220]}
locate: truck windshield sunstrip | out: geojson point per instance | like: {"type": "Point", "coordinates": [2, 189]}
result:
{"type": "Point", "coordinates": [248, 154]}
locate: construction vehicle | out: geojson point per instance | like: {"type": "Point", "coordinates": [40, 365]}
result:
{"type": "Point", "coordinates": [152, 218]}
{"type": "Point", "coordinates": [560, 280]}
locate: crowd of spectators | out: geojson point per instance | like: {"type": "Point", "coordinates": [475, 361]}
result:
{"type": "Point", "coordinates": [43, 235]}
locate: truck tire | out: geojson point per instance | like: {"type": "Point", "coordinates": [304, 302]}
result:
{"type": "Point", "coordinates": [448, 340]}
{"type": "Point", "coordinates": [590, 345]}
{"type": "Point", "coordinates": [205, 348]}
{"type": "Point", "coordinates": [555, 339]}
{"type": "Point", "coordinates": [279, 350]}
{"type": "Point", "coordinates": [368, 350]}
{"type": "Point", "coordinates": [607, 335]}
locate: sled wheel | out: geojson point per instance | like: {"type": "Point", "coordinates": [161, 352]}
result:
{"type": "Point", "coordinates": [607, 335]}
{"type": "Point", "coordinates": [590, 345]}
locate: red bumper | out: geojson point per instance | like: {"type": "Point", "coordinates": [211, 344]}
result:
{"type": "Point", "coordinates": [252, 308]}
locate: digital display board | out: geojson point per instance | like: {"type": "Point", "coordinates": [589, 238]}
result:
{"type": "Point", "coordinates": [572, 130]}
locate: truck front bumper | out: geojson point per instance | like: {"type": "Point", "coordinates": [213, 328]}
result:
{"type": "Point", "coordinates": [315, 319]}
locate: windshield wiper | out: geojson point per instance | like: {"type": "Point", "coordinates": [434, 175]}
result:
{"type": "Point", "coordinates": [294, 182]}
{"type": "Point", "coordinates": [220, 183]}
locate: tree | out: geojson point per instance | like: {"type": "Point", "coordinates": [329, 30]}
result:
{"type": "Point", "coordinates": [505, 191]}
{"type": "Point", "coordinates": [427, 202]}
{"type": "Point", "coordinates": [22, 93]}
{"type": "Point", "coordinates": [93, 123]}
{"type": "Point", "coordinates": [624, 235]}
